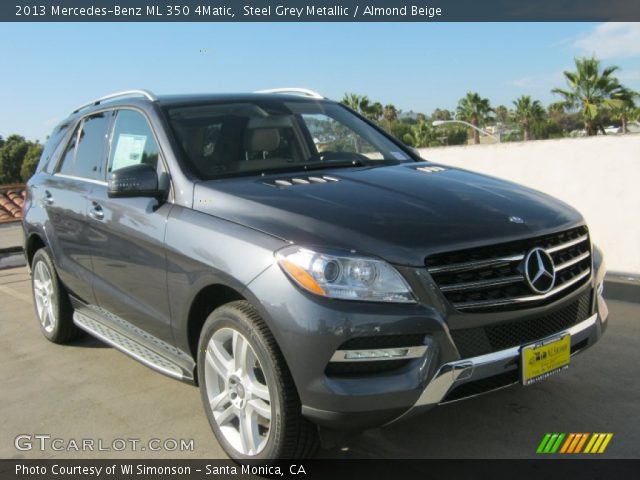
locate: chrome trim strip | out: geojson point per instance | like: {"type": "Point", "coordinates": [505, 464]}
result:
{"type": "Point", "coordinates": [530, 298]}
{"type": "Point", "coordinates": [450, 373]}
{"type": "Point", "coordinates": [454, 287]}
{"type": "Point", "coordinates": [458, 267]}
{"type": "Point", "coordinates": [412, 352]}
{"type": "Point", "coordinates": [573, 261]}
{"type": "Point", "coordinates": [81, 179]}
{"type": "Point", "coordinates": [568, 244]}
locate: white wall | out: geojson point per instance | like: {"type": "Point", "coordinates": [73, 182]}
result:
{"type": "Point", "coordinates": [600, 176]}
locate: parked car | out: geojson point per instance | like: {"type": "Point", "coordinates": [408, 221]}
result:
{"type": "Point", "coordinates": [305, 285]}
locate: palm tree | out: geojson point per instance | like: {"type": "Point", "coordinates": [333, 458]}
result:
{"type": "Point", "coordinates": [625, 110]}
{"type": "Point", "coordinates": [591, 90]}
{"type": "Point", "coordinates": [374, 111]}
{"type": "Point", "coordinates": [359, 103]}
{"type": "Point", "coordinates": [502, 114]}
{"type": "Point", "coordinates": [526, 113]}
{"type": "Point", "coordinates": [475, 110]}
{"type": "Point", "coordinates": [390, 115]}
{"type": "Point", "coordinates": [421, 135]}
{"type": "Point", "coordinates": [441, 114]}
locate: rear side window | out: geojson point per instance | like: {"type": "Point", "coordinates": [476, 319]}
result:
{"type": "Point", "coordinates": [133, 141]}
{"type": "Point", "coordinates": [86, 152]}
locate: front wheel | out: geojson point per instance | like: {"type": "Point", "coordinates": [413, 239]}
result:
{"type": "Point", "coordinates": [247, 390]}
{"type": "Point", "coordinates": [53, 308]}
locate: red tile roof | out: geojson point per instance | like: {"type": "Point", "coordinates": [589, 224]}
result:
{"type": "Point", "coordinates": [11, 200]}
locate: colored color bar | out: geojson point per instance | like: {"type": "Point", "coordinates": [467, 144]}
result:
{"type": "Point", "coordinates": [543, 443]}
{"type": "Point", "coordinates": [567, 443]}
{"type": "Point", "coordinates": [596, 445]}
{"type": "Point", "coordinates": [550, 443]}
{"type": "Point", "coordinates": [594, 437]}
{"type": "Point", "coordinates": [581, 443]}
{"type": "Point", "coordinates": [575, 442]}
{"type": "Point", "coordinates": [554, 449]}
{"type": "Point", "coordinates": [605, 443]}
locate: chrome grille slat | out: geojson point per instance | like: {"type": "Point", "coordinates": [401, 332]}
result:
{"type": "Point", "coordinates": [481, 283]}
{"type": "Point", "coordinates": [573, 261]}
{"type": "Point", "coordinates": [492, 277]}
{"type": "Point", "coordinates": [459, 267]}
{"type": "Point", "coordinates": [527, 299]}
{"type": "Point", "coordinates": [564, 246]}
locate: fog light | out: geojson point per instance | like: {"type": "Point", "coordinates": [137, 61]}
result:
{"type": "Point", "coordinates": [379, 354]}
{"type": "Point", "coordinates": [387, 353]}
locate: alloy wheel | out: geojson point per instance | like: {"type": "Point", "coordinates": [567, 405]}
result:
{"type": "Point", "coordinates": [237, 391]}
{"type": "Point", "coordinates": [44, 296]}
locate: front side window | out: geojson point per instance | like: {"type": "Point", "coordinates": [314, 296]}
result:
{"type": "Point", "coordinates": [86, 151]}
{"type": "Point", "coordinates": [132, 142]}
{"type": "Point", "coordinates": [260, 137]}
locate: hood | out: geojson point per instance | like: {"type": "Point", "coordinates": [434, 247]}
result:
{"type": "Point", "coordinates": [401, 213]}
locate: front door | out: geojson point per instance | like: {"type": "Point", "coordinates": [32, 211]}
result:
{"type": "Point", "coordinates": [127, 237]}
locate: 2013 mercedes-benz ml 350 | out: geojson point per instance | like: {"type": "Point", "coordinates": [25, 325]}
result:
{"type": "Point", "coordinates": [301, 266]}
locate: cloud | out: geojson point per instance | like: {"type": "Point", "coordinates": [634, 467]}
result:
{"type": "Point", "coordinates": [611, 40]}
{"type": "Point", "coordinates": [538, 81]}
{"type": "Point", "coordinates": [629, 75]}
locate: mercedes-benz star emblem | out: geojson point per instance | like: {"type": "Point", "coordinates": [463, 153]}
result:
{"type": "Point", "coordinates": [539, 271]}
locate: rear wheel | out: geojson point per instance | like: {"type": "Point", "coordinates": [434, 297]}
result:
{"type": "Point", "coordinates": [247, 390]}
{"type": "Point", "coordinates": [53, 308]}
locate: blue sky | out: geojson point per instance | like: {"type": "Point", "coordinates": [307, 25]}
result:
{"type": "Point", "coordinates": [50, 68]}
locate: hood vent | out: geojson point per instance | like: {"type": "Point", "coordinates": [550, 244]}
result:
{"type": "Point", "coordinates": [293, 181]}
{"type": "Point", "coordinates": [430, 169]}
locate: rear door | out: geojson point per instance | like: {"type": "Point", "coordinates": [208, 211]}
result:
{"type": "Point", "coordinates": [65, 198]}
{"type": "Point", "coordinates": [127, 236]}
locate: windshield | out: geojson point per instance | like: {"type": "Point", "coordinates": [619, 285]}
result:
{"type": "Point", "coordinates": [260, 137]}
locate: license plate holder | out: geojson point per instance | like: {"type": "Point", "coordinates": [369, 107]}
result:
{"type": "Point", "coordinates": [544, 358]}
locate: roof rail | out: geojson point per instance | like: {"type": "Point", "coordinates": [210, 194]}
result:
{"type": "Point", "coordinates": [127, 93]}
{"type": "Point", "coordinates": [305, 92]}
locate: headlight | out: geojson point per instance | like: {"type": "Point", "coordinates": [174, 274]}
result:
{"type": "Point", "coordinates": [344, 276]}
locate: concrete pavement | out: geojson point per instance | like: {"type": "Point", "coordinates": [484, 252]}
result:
{"type": "Point", "coordinates": [88, 390]}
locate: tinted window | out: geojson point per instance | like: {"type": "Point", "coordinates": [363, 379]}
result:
{"type": "Point", "coordinates": [66, 166]}
{"type": "Point", "coordinates": [271, 135]}
{"type": "Point", "coordinates": [133, 141]}
{"type": "Point", "coordinates": [92, 143]}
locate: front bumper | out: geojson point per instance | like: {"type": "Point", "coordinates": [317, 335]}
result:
{"type": "Point", "coordinates": [453, 375]}
{"type": "Point", "coordinates": [309, 330]}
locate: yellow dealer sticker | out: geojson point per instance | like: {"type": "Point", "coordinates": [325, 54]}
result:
{"type": "Point", "coordinates": [545, 358]}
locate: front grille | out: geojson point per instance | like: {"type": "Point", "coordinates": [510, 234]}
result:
{"type": "Point", "coordinates": [472, 342]}
{"type": "Point", "coordinates": [492, 278]}
{"type": "Point", "coordinates": [476, 387]}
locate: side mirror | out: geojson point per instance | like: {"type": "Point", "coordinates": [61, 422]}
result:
{"type": "Point", "coordinates": [139, 180]}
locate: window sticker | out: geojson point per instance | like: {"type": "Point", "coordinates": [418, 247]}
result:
{"type": "Point", "coordinates": [129, 150]}
{"type": "Point", "coordinates": [399, 155]}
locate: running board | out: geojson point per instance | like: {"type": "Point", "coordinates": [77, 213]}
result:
{"type": "Point", "coordinates": [129, 346]}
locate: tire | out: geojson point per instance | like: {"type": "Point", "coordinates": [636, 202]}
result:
{"type": "Point", "coordinates": [51, 301]}
{"type": "Point", "coordinates": [236, 344]}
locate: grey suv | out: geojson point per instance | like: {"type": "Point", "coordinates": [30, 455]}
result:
{"type": "Point", "coordinates": [304, 268]}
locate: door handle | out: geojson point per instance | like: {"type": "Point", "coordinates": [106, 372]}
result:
{"type": "Point", "coordinates": [96, 211]}
{"type": "Point", "coordinates": [48, 198]}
